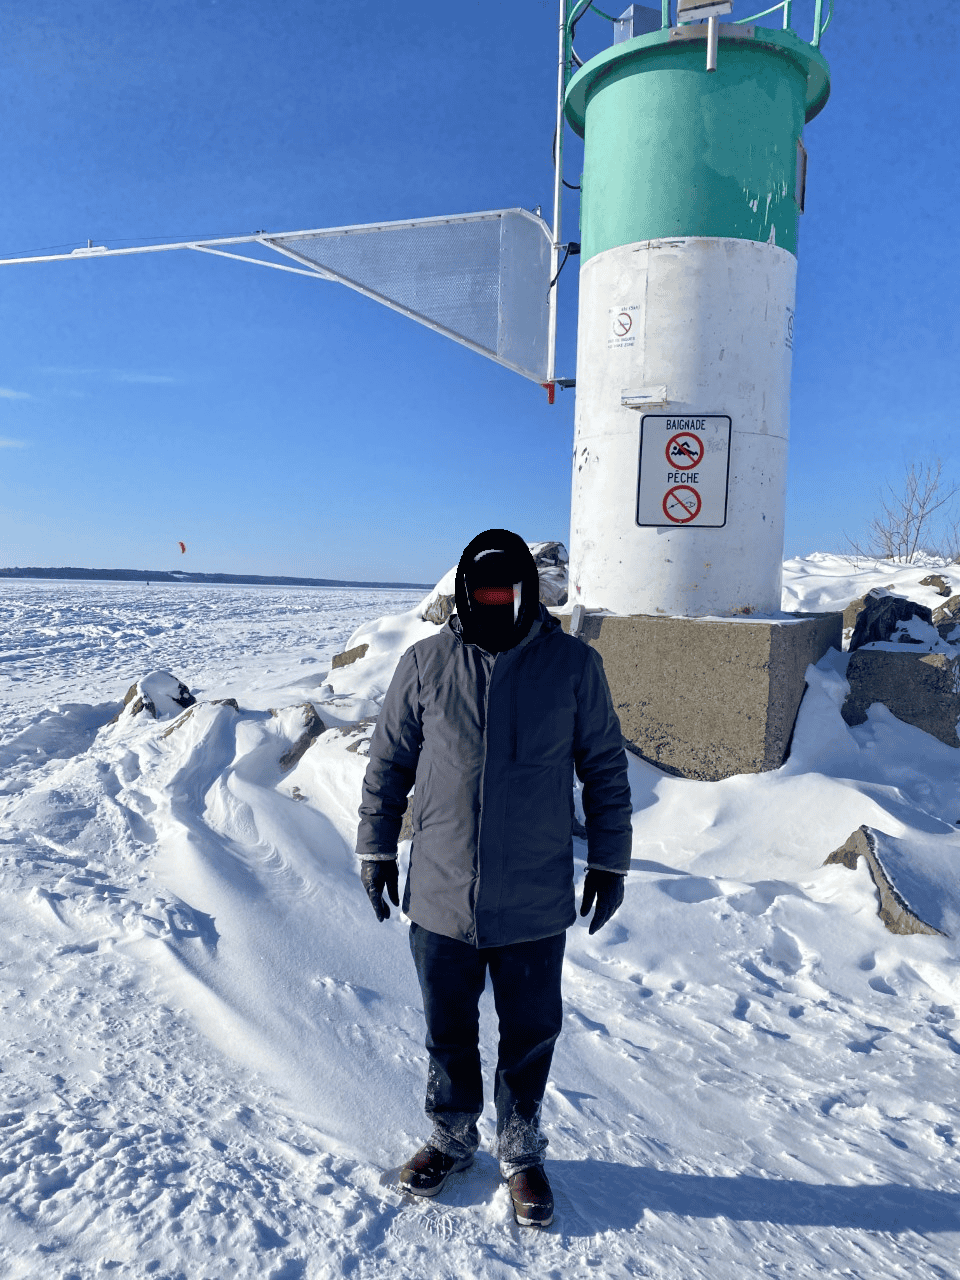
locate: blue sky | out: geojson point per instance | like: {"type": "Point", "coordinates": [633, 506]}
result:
{"type": "Point", "coordinates": [284, 425]}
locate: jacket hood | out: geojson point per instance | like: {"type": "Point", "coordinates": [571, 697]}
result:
{"type": "Point", "coordinates": [497, 590]}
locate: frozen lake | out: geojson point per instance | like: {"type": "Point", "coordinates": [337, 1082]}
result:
{"type": "Point", "coordinates": [71, 641]}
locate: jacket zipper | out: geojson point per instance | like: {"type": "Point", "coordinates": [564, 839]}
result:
{"type": "Point", "coordinates": [483, 774]}
{"type": "Point", "coordinates": [514, 682]}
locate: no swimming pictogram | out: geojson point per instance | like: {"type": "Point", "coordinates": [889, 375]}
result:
{"type": "Point", "coordinates": [681, 504]}
{"type": "Point", "coordinates": [684, 451]}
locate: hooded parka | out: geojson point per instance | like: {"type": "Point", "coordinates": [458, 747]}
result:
{"type": "Point", "coordinates": [491, 742]}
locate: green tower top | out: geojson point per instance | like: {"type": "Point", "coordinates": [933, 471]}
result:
{"type": "Point", "coordinates": [675, 149]}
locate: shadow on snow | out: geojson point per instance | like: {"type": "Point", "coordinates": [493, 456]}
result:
{"type": "Point", "coordinates": [614, 1196]}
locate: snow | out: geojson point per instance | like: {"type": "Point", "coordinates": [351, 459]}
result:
{"type": "Point", "coordinates": [820, 582]}
{"type": "Point", "coordinates": [213, 1060]}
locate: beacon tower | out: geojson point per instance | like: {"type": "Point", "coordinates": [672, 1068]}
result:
{"type": "Point", "coordinates": [693, 186]}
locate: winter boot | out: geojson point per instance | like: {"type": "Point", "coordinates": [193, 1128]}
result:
{"type": "Point", "coordinates": [532, 1197]}
{"type": "Point", "coordinates": [425, 1173]}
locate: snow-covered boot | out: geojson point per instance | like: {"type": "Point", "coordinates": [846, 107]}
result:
{"type": "Point", "coordinates": [532, 1197]}
{"type": "Point", "coordinates": [426, 1172]}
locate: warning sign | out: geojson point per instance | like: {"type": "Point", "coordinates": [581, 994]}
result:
{"type": "Point", "coordinates": [684, 468]}
{"type": "Point", "coordinates": [682, 503]}
{"type": "Point", "coordinates": [622, 325]}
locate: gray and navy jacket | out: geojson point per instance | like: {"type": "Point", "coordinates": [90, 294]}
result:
{"type": "Point", "coordinates": [491, 743]}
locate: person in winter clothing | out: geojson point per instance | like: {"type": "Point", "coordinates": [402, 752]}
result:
{"type": "Point", "coordinates": [489, 719]}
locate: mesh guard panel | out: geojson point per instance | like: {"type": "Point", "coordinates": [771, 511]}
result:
{"type": "Point", "coordinates": [482, 279]}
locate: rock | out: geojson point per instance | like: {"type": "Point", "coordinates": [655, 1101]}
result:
{"type": "Point", "coordinates": [214, 702]}
{"type": "Point", "coordinates": [182, 720]}
{"type": "Point", "coordinates": [349, 655]}
{"type": "Point", "coordinates": [895, 913]}
{"type": "Point", "coordinates": [439, 610]}
{"type": "Point", "coordinates": [361, 731]}
{"type": "Point", "coordinates": [880, 615]}
{"type": "Point", "coordinates": [549, 555]}
{"type": "Point", "coordinates": [922, 689]}
{"type": "Point", "coordinates": [179, 722]}
{"type": "Point", "coordinates": [131, 696]}
{"type": "Point", "coordinates": [936, 580]}
{"type": "Point", "coordinates": [552, 593]}
{"type": "Point", "coordinates": [159, 694]}
{"type": "Point", "coordinates": [852, 612]}
{"type": "Point", "coordinates": [552, 564]}
{"type": "Point", "coordinates": [948, 611]}
{"type": "Point", "coordinates": [313, 726]}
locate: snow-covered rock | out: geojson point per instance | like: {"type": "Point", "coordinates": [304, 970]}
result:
{"type": "Point", "coordinates": [917, 879]}
{"type": "Point", "coordinates": [881, 615]}
{"type": "Point", "coordinates": [160, 694]}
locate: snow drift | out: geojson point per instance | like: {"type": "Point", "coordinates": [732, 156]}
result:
{"type": "Point", "coordinates": [213, 1055]}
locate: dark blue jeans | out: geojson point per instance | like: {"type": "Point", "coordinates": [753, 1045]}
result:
{"type": "Point", "coordinates": [526, 991]}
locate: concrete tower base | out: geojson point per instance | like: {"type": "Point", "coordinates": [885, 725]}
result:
{"type": "Point", "coordinates": [707, 699]}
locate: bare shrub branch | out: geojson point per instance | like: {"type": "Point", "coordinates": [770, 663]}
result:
{"type": "Point", "coordinates": [914, 518]}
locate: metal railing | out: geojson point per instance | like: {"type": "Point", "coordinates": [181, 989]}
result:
{"type": "Point", "coordinates": [820, 23]}
{"type": "Point", "coordinates": [580, 7]}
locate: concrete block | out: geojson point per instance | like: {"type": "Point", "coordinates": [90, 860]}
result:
{"type": "Point", "coordinates": [709, 698]}
{"type": "Point", "coordinates": [922, 689]}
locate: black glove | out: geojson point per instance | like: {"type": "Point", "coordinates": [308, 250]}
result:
{"type": "Point", "coordinates": [607, 888]}
{"type": "Point", "coordinates": [376, 876]}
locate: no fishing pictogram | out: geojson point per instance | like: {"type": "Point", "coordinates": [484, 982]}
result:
{"type": "Point", "coordinates": [681, 504]}
{"type": "Point", "coordinates": [684, 451]}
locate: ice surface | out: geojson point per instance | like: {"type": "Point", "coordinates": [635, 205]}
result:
{"type": "Point", "coordinates": [212, 1053]}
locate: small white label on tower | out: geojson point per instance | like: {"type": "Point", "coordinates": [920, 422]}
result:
{"type": "Point", "coordinates": [684, 469]}
{"type": "Point", "coordinates": [644, 397]}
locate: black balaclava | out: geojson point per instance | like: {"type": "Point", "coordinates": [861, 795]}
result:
{"type": "Point", "coordinates": [497, 590]}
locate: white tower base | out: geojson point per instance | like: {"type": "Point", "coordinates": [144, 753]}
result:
{"type": "Point", "coordinates": [686, 329]}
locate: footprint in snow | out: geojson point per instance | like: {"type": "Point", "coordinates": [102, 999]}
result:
{"type": "Point", "coordinates": [83, 899]}
{"type": "Point", "coordinates": [881, 985]}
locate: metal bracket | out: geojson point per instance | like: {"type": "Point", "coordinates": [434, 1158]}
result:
{"type": "Point", "coordinates": [712, 10]}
